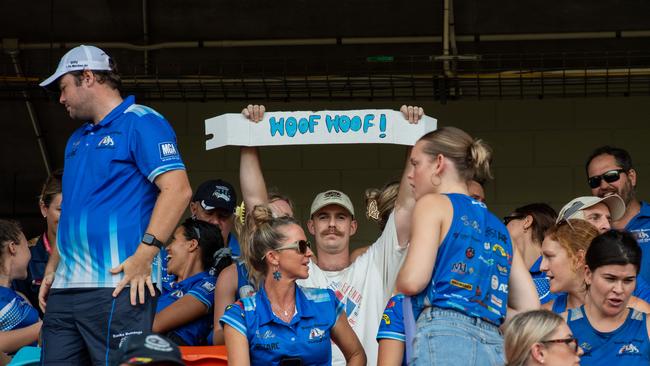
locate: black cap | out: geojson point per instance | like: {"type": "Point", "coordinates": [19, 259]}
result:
{"type": "Point", "coordinates": [218, 193]}
{"type": "Point", "coordinates": [149, 349]}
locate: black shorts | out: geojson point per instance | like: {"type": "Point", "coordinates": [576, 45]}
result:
{"type": "Point", "coordinates": [84, 326]}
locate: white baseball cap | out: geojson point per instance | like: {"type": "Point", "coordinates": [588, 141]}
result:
{"type": "Point", "coordinates": [332, 197]}
{"type": "Point", "coordinates": [573, 209]}
{"type": "Point", "coordinates": [80, 58]}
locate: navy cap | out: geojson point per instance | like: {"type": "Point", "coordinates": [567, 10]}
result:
{"type": "Point", "coordinates": [214, 194]}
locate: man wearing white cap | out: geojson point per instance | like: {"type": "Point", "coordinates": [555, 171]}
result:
{"type": "Point", "coordinates": [599, 211]}
{"type": "Point", "coordinates": [365, 285]}
{"type": "Point", "coordinates": [125, 188]}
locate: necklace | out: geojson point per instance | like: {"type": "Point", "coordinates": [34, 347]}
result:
{"type": "Point", "coordinates": [284, 314]}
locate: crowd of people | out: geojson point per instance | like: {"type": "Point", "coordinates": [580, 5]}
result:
{"type": "Point", "coordinates": [445, 283]}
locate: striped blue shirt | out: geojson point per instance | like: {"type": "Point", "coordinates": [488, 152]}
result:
{"type": "Point", "coordinates": [109, 190]}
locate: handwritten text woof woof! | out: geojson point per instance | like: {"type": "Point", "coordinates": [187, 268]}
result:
{"type": "Point", "coordinates": [292, 126]}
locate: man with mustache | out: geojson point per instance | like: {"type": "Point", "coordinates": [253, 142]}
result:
{"type": "Point", "coordinates": [366, 284]}
{"type": "Point", "coordinates": [610, 171]}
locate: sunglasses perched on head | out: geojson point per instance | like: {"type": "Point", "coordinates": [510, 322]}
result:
{"type": "Point", "coordinates": [300, 245]}
{"type": "Point", "coordinates": [609, 176]}
{"type": "Point", "coordinates": [571, 342]}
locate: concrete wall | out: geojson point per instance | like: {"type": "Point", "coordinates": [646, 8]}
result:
{"type": "Point", "coordinates": [540, 147]}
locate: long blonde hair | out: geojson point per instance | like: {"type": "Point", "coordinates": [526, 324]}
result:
{"type": "Point", "coordinates": [526, 329]}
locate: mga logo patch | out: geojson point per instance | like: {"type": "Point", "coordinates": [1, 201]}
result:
{"type": "Point", "coordinates": [168, 151]}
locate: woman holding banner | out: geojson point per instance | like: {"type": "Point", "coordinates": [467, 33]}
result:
{"type": "Point", "coordinates": [461, 267]}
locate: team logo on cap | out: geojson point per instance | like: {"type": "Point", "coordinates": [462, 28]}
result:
{"type": "Point", "coordinates": [156, 343]}
{"type": "Point", "coordinates": [222, 193]}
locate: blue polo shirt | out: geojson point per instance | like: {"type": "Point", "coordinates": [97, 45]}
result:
{"type": "Point", "coordinates": [640, 227]}
{"type": "Point", "coordinates": [391, 325]}
{"type": "Point", "coordinates": [201, 287]}
{"type": "Point", "coordinates": [109, 190]}
{"type": "Point", "coordinates": [15, 311]}
{"type": "Point", "coordinates": [270, 339]}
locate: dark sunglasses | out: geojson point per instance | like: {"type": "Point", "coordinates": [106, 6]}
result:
{"type": "Point", "coordinates": [571, 342]}
{"type": "Point", "coordinates": [507, 219]}
{"type": "Point", "coordinates": [300, 245]}
{"type": "Point", "coordinates": [609, 176]}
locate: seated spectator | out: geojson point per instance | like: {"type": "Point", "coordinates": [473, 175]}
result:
{"type": "Point", "coordinates": [540, 337]}
{"type": "Point", "coordinates": [183, 314]}
{"type": "Point", "coordinates": [15, 310]}
{"type": "Point", "coordinates": [41, 247]}
{"type": "Point", "coordinates": [564, 249]}
{"type": "Point", "coordinates": [284, 322]}
{"type": "Point", "coordinates": [527, 225]}
{"type": "Point", "coordinates": [610, 331]}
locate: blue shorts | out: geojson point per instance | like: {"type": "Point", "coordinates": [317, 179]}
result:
{"type": "Point", "coordinates": [448, 337]}
{"type": "Point", "coordinates": [84, 326]}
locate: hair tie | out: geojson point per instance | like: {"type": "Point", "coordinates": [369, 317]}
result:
{"type": "Point", "coordinates": [240, 212]}
{"type": "Point", "coordinates": [372, 211]}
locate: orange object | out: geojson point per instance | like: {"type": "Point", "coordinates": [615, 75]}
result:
{"type": "Point", "coordinates": [204, 355]}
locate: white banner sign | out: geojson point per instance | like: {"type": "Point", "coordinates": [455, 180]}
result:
{"type": "Point", "coordinates": [368, 126]}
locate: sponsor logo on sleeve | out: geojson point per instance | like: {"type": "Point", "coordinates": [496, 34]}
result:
{"type": "Point", "coordinates": [168, 151]}
{"type": "Point", "coordinates": [386, 319]}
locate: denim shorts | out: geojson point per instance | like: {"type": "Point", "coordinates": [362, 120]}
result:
{"type": "Point", "coordinates": [448, 337]}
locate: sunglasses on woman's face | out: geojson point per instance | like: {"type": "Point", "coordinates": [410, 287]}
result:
{"type": "Point", "coordinates": [571, 342]}
{"type": "Point", "coordinates": [507, 219]}
{"type": "Point", "coordinates": [300, 245]}
{"type": "Point", "coordinates": [609, 176]}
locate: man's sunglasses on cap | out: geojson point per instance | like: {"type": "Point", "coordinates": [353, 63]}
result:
{"type": "Point", "coordinates": [609, 176]}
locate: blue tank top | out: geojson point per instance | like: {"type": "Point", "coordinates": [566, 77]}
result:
{"type": "Point", "coordinates": [472, 266]}
{"type": "Point", "coordinates": [559, 306]}
{"type": "Point", "coordinates": [627, 345]}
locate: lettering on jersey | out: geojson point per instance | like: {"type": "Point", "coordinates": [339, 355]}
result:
{"type": "Point", "coordinates": [503, 288]}
{"type": "Point", "coordinates": [207, 286]}
{"type": "Point", "coordinates": [479, 203]}
{"type": "Point", "coordinates": [177, 294]}
{"type": "Point", "coordinates": [106, 142]}
{"type": "Point", "coordinates": [496, 301]}
{"type": "Point", "coordinates": [268, 334]}
{"type": "Point", "coordinates": [462, 285]}
{"type": "Point", "coordinates": [492, 233]}
{"type": "Point", "coordinates": [316, 334]}
{"type": "Point", "coordinates": [499, 248]}
{"type": "Point", "coordinates": [168, 151]}
{"type": "Point", "coordinates": [585, 346]}
{"type": "Point", "coordinates": [473, 223]}
{"type": "Point", "coordinates": [73, 150]}
{"type": "Point", "coordinates": [266, 346]}
{"type": "Point", "coordinates": [494, 282]}
{"type": "Point", "coordinates": [628, 349]}
{"type": "Point", "coordinates": [469, 252]}
{"type": "Point", "coordinates": [503, 270]}
{"type": "Point", "coordinates": [386, 319]}
{"type": "Point", "coordinates": [459, 267]}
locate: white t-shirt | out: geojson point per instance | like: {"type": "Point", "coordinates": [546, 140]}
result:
{"type": "Point", "coordinates": [364, 287]}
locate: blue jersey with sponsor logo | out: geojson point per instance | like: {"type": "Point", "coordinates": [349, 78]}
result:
{"type": "Point", "coordinates": [627, 345]}
{"type": "Point", "coordinates": [391, 325]}
{"type": "Point", "coordinates": [640, 227]}
{"type": "Point", "coordinates": [15, 311]}
{"type": "Point", "coordinates": [201, 287]}
{"type": "Point", "coordinates": [270, 339]}
{"type": "Point", "coordinates": [472, 266]}
{"type": "Point", "coordinates": [109, 190]}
